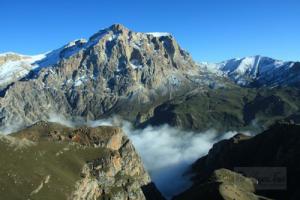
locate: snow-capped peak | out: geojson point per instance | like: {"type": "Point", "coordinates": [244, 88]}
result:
{"type": "Point", "coordinates": [16, 67]}
{"type": "Point", "coordinates": [251, 65]}
{"type": "Point", "coordinates": [248, 69]}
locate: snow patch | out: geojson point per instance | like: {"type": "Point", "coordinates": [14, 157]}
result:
{"type": "Point", "coordinates": [245, 70]}
{"type": "Point", "coordinates": [112, 37]}
{"type": "Point", "coordinates": [11, 70]}
{"type": "Point", "coordinates": [79, 81]}
{"type": "Point", "coordinates": [15, 70]}
{"type": "Point", "coordinates": [174, 80]}
{"type": "Point", "coordinates": [135, 64]}
{"type": "Point", "coordinates": [158, 34]}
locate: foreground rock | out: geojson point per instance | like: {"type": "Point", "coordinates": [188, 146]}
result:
{"type": "Point", "coordinates": [223, 184]}
{"type": "Point", "coordinates": [50, 161]}
{"type": "Point", "coordinates": [274, 153]}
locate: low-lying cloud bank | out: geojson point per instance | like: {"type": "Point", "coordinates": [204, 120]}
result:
{"type": "Point", "coordinates": [167, 152]}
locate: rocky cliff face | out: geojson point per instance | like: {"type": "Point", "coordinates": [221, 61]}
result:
{"type": "Point", "coordinates": [275, 147]}
{"type": "Point", "coordinates": [50, 161]}
{"type": "Point", "coordinates": [116, 71]}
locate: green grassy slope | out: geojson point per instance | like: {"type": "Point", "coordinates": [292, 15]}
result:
{"type": "Point", "coordinates": [23, 170]}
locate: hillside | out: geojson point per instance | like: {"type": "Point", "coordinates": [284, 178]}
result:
{"type": "Point", "coordinates": [51, 161]}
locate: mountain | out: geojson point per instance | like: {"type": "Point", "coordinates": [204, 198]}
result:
{"type": "Point", "coordinates": [14, 66]}
{"type": "Point", "coordinates": [117, 71]}
{"type": "Point", "coordinates": [147, 79]}
{"type": "Point", "coordinates": [257, 71]}
{"type": "Point", "coordinates": [52, 161]}
{"type": "Point", "coordinates": [270, 157]}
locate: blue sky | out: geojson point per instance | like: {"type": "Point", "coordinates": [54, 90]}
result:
{"type": "Point", "coordinates": [211, 30]}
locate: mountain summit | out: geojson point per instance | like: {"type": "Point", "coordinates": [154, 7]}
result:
{"type": "Point", "coordinates": [15, 66]}
{"type": "Point", "coordinates": [113, 69]}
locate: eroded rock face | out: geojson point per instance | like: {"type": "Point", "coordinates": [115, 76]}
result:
{"type": "Point", "coordinates": [87, 187]}
{"type": "Point", "coordinates": [86, 163]}
{"type": "Point", "coordinates": [116, 71]}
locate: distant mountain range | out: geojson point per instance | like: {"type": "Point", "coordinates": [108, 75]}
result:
{"type": "Point", "coordinates": [258, 71]}
{"type": "Point", "coordinates": [146, 78]}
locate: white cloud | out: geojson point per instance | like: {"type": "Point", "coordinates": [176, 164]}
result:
{"type": "Point", "coordinates": [167, 152]}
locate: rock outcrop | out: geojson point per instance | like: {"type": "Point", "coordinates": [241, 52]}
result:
{"type": "Point", "coordinates": [223, 184]}
{"type": "Point", "coordinates": [275, 151]}
{"type": "Point", "coordinates": [51, 161]}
